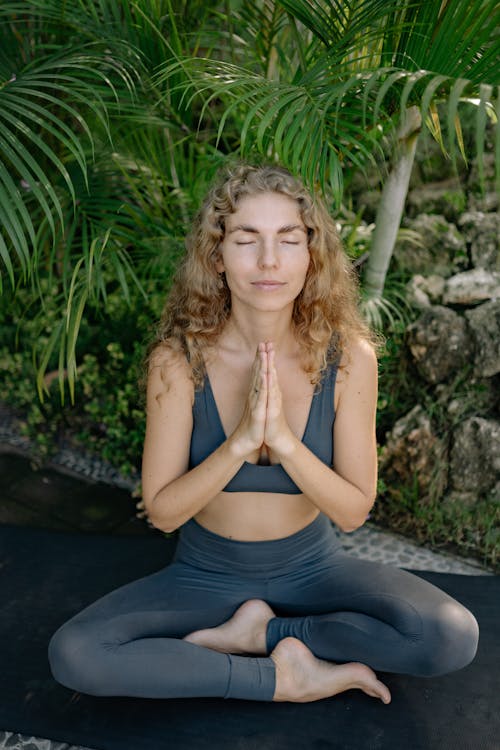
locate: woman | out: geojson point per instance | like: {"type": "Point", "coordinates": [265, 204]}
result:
{"type": "Point", "coordinates": [260, 432]}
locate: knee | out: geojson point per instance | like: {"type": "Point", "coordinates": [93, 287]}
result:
{"type": "Point", "coordinates": [451, 641]}
{"type": "Point", "coordinates": [72, 656]}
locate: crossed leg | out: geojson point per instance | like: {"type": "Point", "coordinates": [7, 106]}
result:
{"type": "Point", "coordinates": [300, 676]}
{"type": "Point", "coordinates": [144, 638]}
{"type": "Point", "coordinates": [392, 620]}
{"type": "Point", "coordinates": [132, 642]}
{"type": "Point", "coordinates": [352, 610]}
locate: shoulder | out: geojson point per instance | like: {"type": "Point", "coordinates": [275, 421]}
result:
{"type": "Point", "coordinates": [359, 354]}
{"type": "Point", "coordinates": [358, 369]}
{"type": "Point", "coordinates": [168, 371]}
{"type": "Point", "coordinates": [168, 360]}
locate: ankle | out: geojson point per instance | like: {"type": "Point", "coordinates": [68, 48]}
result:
{"type": "Point", "coordinates": [287, 680]}
{"type": "Point", "coordinates": [260, 639]}
{"type": "Point", "coordinates": [272, 635]}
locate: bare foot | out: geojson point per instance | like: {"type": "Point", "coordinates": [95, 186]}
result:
{"type": "Point", "coordinates": [302, 677]}
{"type": "Point", "coordinates": [243, 633]}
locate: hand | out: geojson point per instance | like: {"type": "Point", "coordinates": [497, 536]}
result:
{"type": "Point", "coordinates": [278, 436]}
{"type": "Point", "coordinates": [248, 437]}
{"type": "Point", "coordinates": [263, 423]}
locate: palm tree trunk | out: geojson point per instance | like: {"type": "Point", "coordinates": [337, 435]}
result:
{"type": "Point", "coordinates": [390, 209]}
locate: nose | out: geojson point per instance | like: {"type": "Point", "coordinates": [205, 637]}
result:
{"type": "Point", "coordinates": [268, 255]}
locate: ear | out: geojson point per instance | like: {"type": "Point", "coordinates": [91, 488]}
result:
{"type": "Point", "coordinates": [219, 264]}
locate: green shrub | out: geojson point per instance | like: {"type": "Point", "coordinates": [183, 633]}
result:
{"type": "Point", "coordinates": [110, 421]}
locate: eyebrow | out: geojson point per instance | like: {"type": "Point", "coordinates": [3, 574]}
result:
{"type": "Point", "coordinates": [252, 230]}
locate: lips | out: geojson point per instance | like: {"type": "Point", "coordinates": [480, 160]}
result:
{"type": "Point", "coordinates": [268, 284]}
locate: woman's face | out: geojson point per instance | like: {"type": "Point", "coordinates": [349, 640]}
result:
{"type": "Point", "coordinates": [264, 253]}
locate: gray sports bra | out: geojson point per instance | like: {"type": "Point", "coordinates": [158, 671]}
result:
{"type": "Point", "coordinates": [208, 434]}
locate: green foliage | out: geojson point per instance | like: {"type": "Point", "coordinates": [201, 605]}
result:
{"type": "Point", "coordinates": [99, 170]}
{"type": "Point", "coordinates": [112, 424]}
{"type": "Point", "coordinates": [337, 77]}
{"type": "Point", "coordinates": [450, 526]}
{"type": "Point", "coordinates": [107, 419]}
{"type": "Point", "coordinates": [397, 380]}
{"type": "Point", "coordinates": [38, 422]}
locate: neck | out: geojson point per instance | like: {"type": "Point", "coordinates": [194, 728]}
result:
{"type": "Point", "coordinates": [248, 332]}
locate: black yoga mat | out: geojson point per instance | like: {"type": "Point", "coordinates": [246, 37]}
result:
{"type": "Point", "coordinates": [47, 576]}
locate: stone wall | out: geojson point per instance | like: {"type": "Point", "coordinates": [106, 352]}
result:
{"type": "Point", "coordinates": [451, 449]}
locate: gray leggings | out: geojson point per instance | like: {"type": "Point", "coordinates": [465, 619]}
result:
{"type": "Point", "coordinates": [344, 609]}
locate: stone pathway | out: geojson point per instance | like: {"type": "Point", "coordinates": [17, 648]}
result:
{"type": "Point", "coordinates": [372, 543]}
{"type": "Point", "coordinates": [14, 741]}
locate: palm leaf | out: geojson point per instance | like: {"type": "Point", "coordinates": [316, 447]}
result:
{"type": "Point", "coordinates": [38, 137]}
{"type": "Point", "coordinates": [326, 98]}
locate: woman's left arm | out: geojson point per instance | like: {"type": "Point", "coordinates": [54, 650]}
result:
{"type": "Point", "coordinates": [347, 491]}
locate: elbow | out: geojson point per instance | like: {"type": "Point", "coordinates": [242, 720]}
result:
{"type": "Point", "coordinates": [350, 525]}
{"type": "Point", "coordinates": [167, 525]}
{"type": "Point", "coordinates": [167, 528]}
{"type": "Point", "coordinates": [357, 520]}
{"type": "Point", "coordinates": [158, 518]}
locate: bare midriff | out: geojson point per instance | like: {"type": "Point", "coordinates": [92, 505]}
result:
{"type": "Point", "coordinates": [256, 516]}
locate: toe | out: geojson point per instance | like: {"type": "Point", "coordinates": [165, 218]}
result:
{"type": "Point", "coordinates": [380, 691]}
{"type": "Point", "coordinates": [385, 694]}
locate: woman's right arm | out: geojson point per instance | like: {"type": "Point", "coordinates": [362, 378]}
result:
{"type": "Point", "coordinates": [172, 493]}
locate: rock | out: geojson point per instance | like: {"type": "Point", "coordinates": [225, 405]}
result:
{"type": "Point", "coordinates": [434, 286]}
{"type": "Point", "coordinates": [413, 453]}
{"type": "Point", "coordinates": [446, 198]}
{"type": "Point", "coordinates": [482, 233]}
{"type": "Point", "coordinates": [441, 250]}
{"type": "Point", "coordinates": [439, 343]}
{"type": "Point", "coordinates": [486, 203]}
{"type": "Point", "coordinates": [495, 492]}
{"type": "Point", "coordinates": [475, 456]}
{"type": "Point", "coordinates": [471, 287]}
{"type": "Point", "coordinates": [422, 291]}
{"type": "Point", "coordinates": [415, 295]}
{"type": "Point", "coordinates": [474, 181]}
{"type": "Point", "coordinates": [418, 298]}
{"type": "Point", "coordinates": [484, 324]}
{"type": "Point", "coordinates": [461, 499]}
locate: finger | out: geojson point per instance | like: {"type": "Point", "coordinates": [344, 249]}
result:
{"type": "Point", "coordinates": [256, 368]}
{"type": "Point", "coordinates": [272, 379]}
{"type": "Point", "coordinates": [264, 358]}
{"type": "Point", "coordinates": [271, 375]}
{"type": "Point", "coordinates": [262, 390]}
{"type": "Point", "coordinates": [258, 386]}
{"type": "Point", "coordinates": [270, 357]}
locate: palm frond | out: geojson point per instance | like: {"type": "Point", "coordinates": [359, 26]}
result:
{"type": "Point", "coordinates": [326, 119]}
{"type": "Point", "coordinates": [47, 114]}
{"type": "Point", "coordinates": [388, 311]}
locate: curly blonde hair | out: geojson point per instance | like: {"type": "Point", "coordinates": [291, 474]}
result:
{"type": "Point", "coordinates": [325, 313]}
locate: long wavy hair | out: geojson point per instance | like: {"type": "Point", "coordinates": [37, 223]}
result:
{"type": "Point", "coordinates": [325, 315]}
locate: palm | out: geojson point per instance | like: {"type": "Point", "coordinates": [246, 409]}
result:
{"type": "Point", "coordinates": [332, 78]}
{"type": "Point", "coordinates": [94, 197]}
